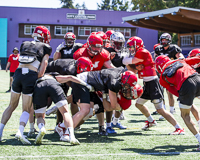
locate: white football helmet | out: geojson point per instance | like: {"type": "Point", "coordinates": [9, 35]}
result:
{"type": "Point", "coordinates": [117, 41]}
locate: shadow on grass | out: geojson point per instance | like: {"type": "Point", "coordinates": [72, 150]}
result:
{"type": "Point", "coordinates": [136, 114]}
{"type": "Point", "coordinates": [168, 150]}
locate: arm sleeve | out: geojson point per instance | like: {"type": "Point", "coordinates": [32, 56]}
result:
{"type": "Point", "coordinates": [47, 49]}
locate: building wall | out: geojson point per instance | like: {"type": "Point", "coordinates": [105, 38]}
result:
{"type": "Point", "coordinates": [17, 17]}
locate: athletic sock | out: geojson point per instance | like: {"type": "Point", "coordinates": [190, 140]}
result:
{"type": "Point", "coordinates": [40, 125]}
{"type": "Point", "coordinates": [177, 126]}
{"type": "Point", "coordinates": [1, 129]}
{"type": "Point", "coordinates": [197, 137]}
{"type": "Point", "coordinates": [115, 120]}
{"type": "Point", "coordinates": [150, 118]}
{"type": "Point", "coordinates": [21, 129]}
{"type": "Point", "coordinates": [108, 125]}
{"type": "Point", "coordinates": [171, 109]}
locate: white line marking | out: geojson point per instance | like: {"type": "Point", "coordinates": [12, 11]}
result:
{"type": "Point", "coordinates": [90, 155]}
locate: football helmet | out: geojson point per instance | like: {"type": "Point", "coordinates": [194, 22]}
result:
{"type": "Point", "coordinates": [103, 36]}
{"type": "Point", "coordinates": [168, 40]}
{"type": "Point", "coordinates": [69, 38]}
{"type": "Point", "coordinates": [117, 41]}
{"type": "Point", "coordinates": [160, 62]}
{"type": "Point", "coordinates": [137, 91]}
{"type": "Point", "coordinates": [108, 33]}
{"type": "Point", "coordinates": [128, 81]}
{"type": "Point", "coordinates": [94, 44]}
{"type": "Point", "coordinates": [193, 53]}
{"type": "Point", "coordinates": [134, 43]}
{"type": "Point", "coordinates": [42, 34]}
{"type": "Point", "coordinates": [84, 64]}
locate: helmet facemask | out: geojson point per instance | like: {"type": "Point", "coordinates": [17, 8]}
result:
{"type": "Point", "coordinates": [117, 45]}
{"type": "Point", "coordinates": [69, 42]}
{"type": "Point", "coordinates": [95, 49]}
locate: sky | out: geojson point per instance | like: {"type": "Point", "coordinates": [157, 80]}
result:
{"type": "Point", "coordinates": [90, 4]}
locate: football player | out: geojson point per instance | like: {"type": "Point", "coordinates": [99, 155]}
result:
{"type": "Point", "coordinates": [152, 89]}
{"type": "Point", "coordinates": [186, 88]}
{"type": "Point", "coordinates": [33, 54]}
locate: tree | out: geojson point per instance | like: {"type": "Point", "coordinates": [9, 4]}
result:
{"type": "Point", "coordinates": [148, 5]}
{"type": "Point", "coordinates": [67, 4]}
{"type": "Point", "coordinates": [105, 5]}
{"type": "Point", "coordinates": [123, 6]}
{"type": "Point", "coordinates": [84, 6]}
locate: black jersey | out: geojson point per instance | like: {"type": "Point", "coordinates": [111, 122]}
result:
{"type": "Point", "coordinates": [170, 52]}
{"type": "Point", "coordinates": [106, 79]}
{"type": "Point", "coordinates": [62, 66]}
{"type": "Point", "coordinates": [117, 60]}
{"type": "Point", "coordinates": [36, 49]}
{"type": "Point", "coordinates": [68, 52]}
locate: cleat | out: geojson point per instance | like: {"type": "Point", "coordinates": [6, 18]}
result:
{"type": "Point", "coordinates": [8, 91]}
{"type": "Point", "coordinates": [198, 149]}
{"type": "Point", "coordinates": [32, 132]}
{"type": "Point", "coordinates": [22, 138]}
{"type": "Point", "coordinates": [65, 138]}
{"type": "Point", "coordinates": [178, 131]}
{"type": "Point", "coordinates": [102, 131]}
{"type": "Point", "coordinates": [118, 125]}
{"type": "Point", "coordinates": [74, 141]}
{"type": "Point", "coordinates": [149, 125]}
{"type": "Point", "coordinates": [161, 118]}
{"type": "Point", "coordinates": [154, 113]}
{"type": "Point", "coordinates": [52, 110]}
{"type": "Point", "coordinates": [40, 136]}
{"type": "Point", "coordinates": [60, 130]}
{"type": "Point", "coordinates": [109, 130]}
{"type": "Point", "coordinates": [173, 112]}
{"type": "Point", "coordinates": [77, 128]}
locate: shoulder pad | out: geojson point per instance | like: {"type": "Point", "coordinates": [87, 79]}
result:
{"type": "Point", "coordinates": [78, 53]}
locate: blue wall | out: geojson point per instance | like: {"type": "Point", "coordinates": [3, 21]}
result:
{"type": "Point", "coordinates": [3, 37]}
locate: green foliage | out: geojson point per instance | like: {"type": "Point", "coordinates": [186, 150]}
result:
{"type": "Point", "coordinates": [115, 5]}
{"type": "Point", "coordinates": [148, 5]}
{"type": "Point", "coordinates": [105, 5]}
{"type": "Point", "coordinates": [67, 4]}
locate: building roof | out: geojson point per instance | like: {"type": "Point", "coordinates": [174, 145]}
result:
{"type": "Point", "coordinates": [177, 20]}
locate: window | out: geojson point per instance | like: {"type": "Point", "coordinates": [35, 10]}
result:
{"type": "Point", "coordinates": [197, 40]}
{"type": "Point", "coordinates": [186, 40]}
{"type": "Point", "coordinates": [86, 31]}
{"type": "Point", "coordinates": [125, 31]}
{"type": "Point", "coordinates": [28, 29]}
{"type": "Point", "coordinates": [62, 30]}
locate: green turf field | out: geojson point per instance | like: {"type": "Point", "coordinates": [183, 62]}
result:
{"type": "Point", "coordinates": [132, 143]}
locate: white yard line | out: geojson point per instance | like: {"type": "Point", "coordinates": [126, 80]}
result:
{"type": "Point", "coordinates": [96, 155]}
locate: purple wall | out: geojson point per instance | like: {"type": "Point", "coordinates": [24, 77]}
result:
{"type": "Point", "coordinates": [16, 15]}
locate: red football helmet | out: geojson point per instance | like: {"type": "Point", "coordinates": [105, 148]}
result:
{"type": "Point", "coordinates": [194, 53]}
{"type": "Point", "coordinates": [128, 81]}
{"type": "Point", "coordinates": [95, 44]}
{"type": "Point", "coordinates": [103, 36]}
{"type": "Point", "coordinates": [160, 62]}
{"type": "Point", "coordinates": [134, 43]}
{"type": "Point", "coordinates": [84, 64]}
{"type": "Point", "coordinates": [123, 102]}
{"type": "Point", "coordinates": [108, 33]}
{"type": "Point", "coordinates": [137, 91]}
{"type": "Point", "coordinates": [41, 33]}
{"type": "Point", "coordinates": [69, 38]}
{"type": "Point", "coordinates": [154, 47]}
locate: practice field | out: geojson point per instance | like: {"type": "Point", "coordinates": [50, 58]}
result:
{"type": "Point", "coordinates": [132, 143]}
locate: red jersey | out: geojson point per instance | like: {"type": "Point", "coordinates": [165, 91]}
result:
{"type": "Point", "coordinates": [84, 45]}
{"type": "Point", "coordinates": [148, 63]}
{"type": "Point", "coordinates": [123, 102]}
{"type": "Point", "coordinates": [14, 63]}
{"type": "Point", "coordinates": [98, 60]}
{"type": "Point", "coordinates": [174, 83]}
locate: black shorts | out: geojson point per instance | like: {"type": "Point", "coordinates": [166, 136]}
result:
{"type": "Point", "coordinates": [80, 92]}
{"type": "Point", "coordinates": [24, 82]}
{"type": "Point", "coordinates": [45, 89]}
{"type": "Point", "coordinates": [98, 104]}
{"type": "Point", "coordinates": [189, 90]}
{"type": "Point", "coordinates": [12, 74]}
{"type": "Point", "coordinates": [152, 90]}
